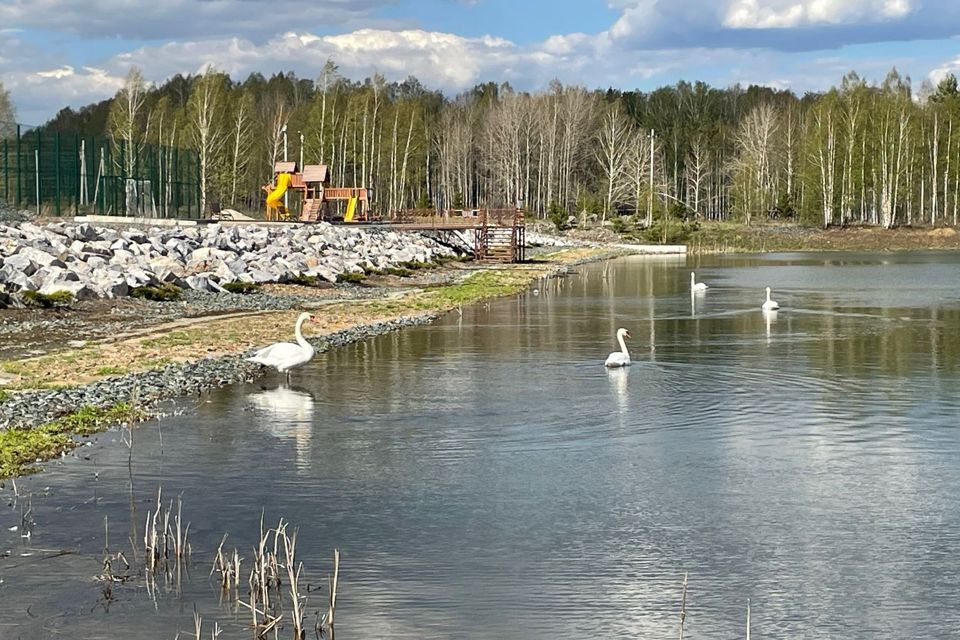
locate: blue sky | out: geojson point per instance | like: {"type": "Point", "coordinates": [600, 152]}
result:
{"type": "Point", "coordinates": [55, 53]}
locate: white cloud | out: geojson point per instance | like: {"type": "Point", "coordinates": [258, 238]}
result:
{"type": "Point", "coordinates": [941, 72]}
{"type": "Point", "coordinates": [438, 59]}
{"type": "Point", "coordinates": [160, 19]}
{"type": "Point", "coordinates": [651, 41]}
{"type": "Point", "coordinates": [782, 14]}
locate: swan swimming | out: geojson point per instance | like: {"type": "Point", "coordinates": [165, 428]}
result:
{"type": "Point", "coordinates": [694, 285]}
{"type": "Point", "coordinates": [770, 305]}
{"type": "Point", "coordinates": [285, 356]}
{"type": "Point", "coordinates": [619, 358]}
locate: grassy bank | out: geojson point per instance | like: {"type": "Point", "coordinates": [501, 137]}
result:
{"type": "Point", "coordinates": [724, 237]}
{"type": "Point", "coordinates": [21, 449]}
{"type": "Point", "coordinates": [225, 336]}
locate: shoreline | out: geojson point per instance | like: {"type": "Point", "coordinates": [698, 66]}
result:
{"type": "Point", "coordinates": [56, 398]}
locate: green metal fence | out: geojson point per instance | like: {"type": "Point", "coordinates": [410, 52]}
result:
{"type": "Point", "coordinates": [59, 173]}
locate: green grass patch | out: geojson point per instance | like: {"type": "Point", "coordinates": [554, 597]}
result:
{"type": "Point", "coordinates": [243, 288]}
{"type": "Point", "coordinates": [352, 278]}
{"type": "Point", "coordinates": [487, 284]}
{"type": "Point", "coordinates": [303, 280]}
{"type": "Point", "coordinates": [416, 265]}
{"type": "Point", "coordinates": [160, 293]}
{"type": "Point", "coordinates": [110, 371]}
{"type": "Point", "coordinates": [20, 449]}
{"type": "Point", "coordinates": [397, 271]}
{"type": "Point", "coordinates": [4, 395]}
{"type": "Point", "coordinates": [47, 300]}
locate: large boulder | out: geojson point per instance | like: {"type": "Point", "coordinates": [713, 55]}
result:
{"type": "Point", "coordinates": [80, 290]}
{"type": "Point", "coordinates": [22, 263]}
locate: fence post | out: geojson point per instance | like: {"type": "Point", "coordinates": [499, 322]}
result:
{"type": "Point", "coordinates": [36, 160]}
{"type": "Point", "coordinates": [19, 171]}
{"type": "Point", "coordinates": [78, 153]}
{"type": "Point", "coordinates": [56, 154]}
{"type": "Point", "coordinates": [200, 196]}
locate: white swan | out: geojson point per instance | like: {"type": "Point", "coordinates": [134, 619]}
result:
{"type": "Point", "coordinates": [770, 305]}
{"type": "Point", "coordinates": [285, 356]}
{"type": "Point", "coordinates": [694, 285]}
{"type": "Point", "coordinates": [619, 358]}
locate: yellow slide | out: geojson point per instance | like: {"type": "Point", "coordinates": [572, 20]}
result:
{"type": "Point", "coordinates": [351, 210]}
{"type": "Point", "coordinates": [283, 181]}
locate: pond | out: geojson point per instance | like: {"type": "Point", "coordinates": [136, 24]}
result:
{"type": "Point", "coordinates": [487, 477]}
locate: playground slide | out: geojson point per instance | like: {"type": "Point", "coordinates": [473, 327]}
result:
{"type": "Point", "coordinates": [351, 210]}
{"type": "Point", "coordinates": [283, 181]}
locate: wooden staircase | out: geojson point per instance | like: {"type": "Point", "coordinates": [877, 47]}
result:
{"type": "Point", "coordinates": [311, 210]}
{"type": "Point", "coordinates": [501, 241]}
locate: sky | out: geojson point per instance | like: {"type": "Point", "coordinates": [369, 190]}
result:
{"type": "Point", "coordinates": [57, 53]}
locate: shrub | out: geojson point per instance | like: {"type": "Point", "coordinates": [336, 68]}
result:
{"type": "Point", "coordinates": [414, 265]}
{"type": "Point", "coordinates": [675, 233]}
{"type": "Point", "coordinates": [46, 301]}
{"type": "Point", "coordinates": [242, 287]}
{"type": "Point", "coordinates": [623, 224]}
{"type": "Point", "coordinates": [352, 278]}
{"type": "Point", "coordinates": [160, 293]}
{"type": "Point", "coordinates": [558, 216]}
{"type": "Point", "coordinates": [303, 280]}
{"type": "Point", "coordinates": [398, 271]}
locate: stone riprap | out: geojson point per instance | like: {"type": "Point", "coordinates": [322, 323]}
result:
{"type": "Point", "coordinates": [90, 262]}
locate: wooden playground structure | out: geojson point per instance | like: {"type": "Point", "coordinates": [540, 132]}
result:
{"type": "Point", "coordinates": [312, 186]}
{"type": "Point", "coordinates": [494, 235]}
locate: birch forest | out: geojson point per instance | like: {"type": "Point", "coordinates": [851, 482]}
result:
{"type": "Point", "coordinates": [861, 153]}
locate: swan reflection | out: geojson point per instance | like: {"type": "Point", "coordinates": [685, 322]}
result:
{"type": "Point", "coordinates": [769, 317]}
{"type": "Point", "coordinates": [287, 414]}
{"type": "Point", "coordinates": [618, 382]}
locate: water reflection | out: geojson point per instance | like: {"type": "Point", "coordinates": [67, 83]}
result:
{"type": "Point", "coordinates": [486, 477]}
{"type": "Point", "coordinates": [619, 378]}
{"type": "Point", "coordinates": [769, 317]}
{"type": "Point", "coordinates": [287, 414]}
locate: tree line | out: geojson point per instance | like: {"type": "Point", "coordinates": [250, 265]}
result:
{"type": "Point", "coordinates": [882, 154]}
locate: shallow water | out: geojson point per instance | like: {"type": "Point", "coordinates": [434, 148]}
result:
{"type": "Point", "coordinates": [486, 477]}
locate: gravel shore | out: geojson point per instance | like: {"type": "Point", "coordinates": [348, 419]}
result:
{"type": "Point", "coordinates": [31, 408]}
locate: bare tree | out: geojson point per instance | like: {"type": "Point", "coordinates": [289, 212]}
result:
{"type": "Point", "coordinates": [8, 115]}
{"type": "Point", "coordinates": [241, 142]}
{"type": "Point", "coordinates": [753, 167]}
{"type": "Point", "coordinates": [824, 154]}
{"type": "Point", "coordinates": [206, 126]}
{"type": "Point", "coordinates": [126, 114]}
{"type": "Point", "coordinates": [639, 169]}
{"type": "Point", "coordinates": [613, 145]}
{"type": "Point", "coordinates": [697, 171]}
{"type": "Point", "coordinates": [275, 112]}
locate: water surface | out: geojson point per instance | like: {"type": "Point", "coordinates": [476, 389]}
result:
{"type": "Point", "coordinates": [486, 477]}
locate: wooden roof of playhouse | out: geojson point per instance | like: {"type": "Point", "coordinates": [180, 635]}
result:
{"type": "Point", "coordinates": [316, 173]}
{"type": "Point", "coordinates": [285, 167]}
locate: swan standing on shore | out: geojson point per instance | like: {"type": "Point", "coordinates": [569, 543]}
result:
{"type": "Point", "coordinates": [285, 356]}
{"type": "Point", "coordinates": [770, 305]}
{"type": "Point", "coordinates": [619, 358]}
{"type": "Point", "coordinates": [694, 285]}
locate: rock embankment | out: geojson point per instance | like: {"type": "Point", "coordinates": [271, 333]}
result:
{"type": "Point", "coordinates": [91, 262]}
